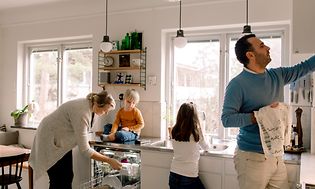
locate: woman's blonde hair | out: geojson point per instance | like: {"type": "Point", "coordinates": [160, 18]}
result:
{"type": "Point", "coordinates": [132, 94]}
{"type": "Point", "coordinates": [101, 99]}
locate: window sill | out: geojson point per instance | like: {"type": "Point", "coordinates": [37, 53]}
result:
{"type": "Point", "coordinates": [24, 127]}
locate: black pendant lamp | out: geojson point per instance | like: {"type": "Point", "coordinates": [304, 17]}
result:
{"type": "Point", "coordinates": [106, 45]}
{"type": "Point", "coordinates": [247, 28]}
{"type": "Point", "coordinates": [180, 41]}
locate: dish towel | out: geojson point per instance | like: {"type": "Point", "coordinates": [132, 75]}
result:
{"type": "Point", "coordinates": [274, 127]}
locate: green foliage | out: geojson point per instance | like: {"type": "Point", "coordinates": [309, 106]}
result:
{"type": "Point", "coordinates": [15, 114]}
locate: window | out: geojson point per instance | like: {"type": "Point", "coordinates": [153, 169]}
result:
{"type": "Point", "coordinates": [56, 74]}
{"type": "Point", "coordinates": [203, 68]}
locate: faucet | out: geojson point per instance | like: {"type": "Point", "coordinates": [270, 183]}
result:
{"type": "Point", "coordinates": [209, 138]}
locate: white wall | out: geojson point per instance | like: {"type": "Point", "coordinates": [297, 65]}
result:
{"type": "Point", "coordinates": [86, 18]}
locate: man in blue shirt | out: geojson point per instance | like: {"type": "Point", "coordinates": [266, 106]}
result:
{"type": "Point", "coordinates": [254, 88]}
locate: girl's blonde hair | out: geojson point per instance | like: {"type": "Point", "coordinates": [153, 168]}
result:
{"type": "Point", "coordinates": [101, 99]}
{"type": "Point", "coordinates": [133, 95]}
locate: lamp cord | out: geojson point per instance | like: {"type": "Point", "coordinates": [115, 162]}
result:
{"type": "Point", "coordinates": [106, 15]}
{"type": "Point", "coordinates": [180, 14]}
{"type": "Point", "coordinates": [246, 12]}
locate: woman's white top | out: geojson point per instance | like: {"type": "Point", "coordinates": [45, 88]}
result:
{"type": "Point", "coordinates": [59, 132]}
{"type": "Point", "coordinates": [186, 156]}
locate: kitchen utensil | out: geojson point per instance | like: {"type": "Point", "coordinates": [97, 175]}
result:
{"type": "Point", "coordinates": [292, 91]}
{"type": "Point", "coordinates": [296, 91]}
{"type": "Point", "coordinates": [303, 87]}
{"type": "Point", "coordinates": [112, 181]}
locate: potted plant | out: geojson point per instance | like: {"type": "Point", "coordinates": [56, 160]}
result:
{"type": "Point", "coordinates": [20, 116]}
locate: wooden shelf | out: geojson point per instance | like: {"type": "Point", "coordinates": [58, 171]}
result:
{"type": "Point", "coordinates": [117, 84]}
{"type": "Point", "coordinates": [125, 51]}
{"type": "Point", "coordinates": [103, 68]}
{"type": "Point", "coordinates": [137, 72]}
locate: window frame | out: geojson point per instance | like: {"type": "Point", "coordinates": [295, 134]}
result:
{"type": "Point", "coordinates": [61, 46]}
{"type": "Point", "coordinates": [225, 36]}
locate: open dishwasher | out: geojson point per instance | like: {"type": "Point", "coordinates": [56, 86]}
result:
{"type": "Point", "coordinates": [104, 177]}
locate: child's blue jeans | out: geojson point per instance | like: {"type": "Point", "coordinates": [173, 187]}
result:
{"type": "Point", "coordinates": [123, 137]}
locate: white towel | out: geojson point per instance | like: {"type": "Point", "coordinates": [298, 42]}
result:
{"type": "Point", "coordinates": [275, 128]}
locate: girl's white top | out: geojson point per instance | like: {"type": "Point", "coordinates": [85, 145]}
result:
{"type": "Point", "coordinates": [186, 156]}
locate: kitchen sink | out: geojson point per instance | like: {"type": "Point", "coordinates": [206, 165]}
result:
{"type": "Point", "coordinates": [168, 144]}
{"type": "Point", "coordinates": [218, 147]}
{"type": "Point", "coordinates": [162, 143]}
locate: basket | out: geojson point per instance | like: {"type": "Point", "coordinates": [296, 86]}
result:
{"type": "Point", "coordinates": [108, 182]}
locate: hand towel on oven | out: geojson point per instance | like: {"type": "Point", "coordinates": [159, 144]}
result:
{"type": "Point", "coordinates": [274, 128]}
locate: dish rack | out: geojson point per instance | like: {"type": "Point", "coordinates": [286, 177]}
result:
{"type": "Point", "coordinates": [109, 182]}
{"type": "Point", "coordinates": [104, 177]}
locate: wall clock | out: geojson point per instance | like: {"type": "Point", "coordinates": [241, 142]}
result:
{"type": "Point", "coordinates": [108, 61]}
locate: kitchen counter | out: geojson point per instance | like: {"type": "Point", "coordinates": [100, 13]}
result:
{"type": "Point", "coordinates": [156, 144]}
{"type": "Point", "coordinates": [216, 166]}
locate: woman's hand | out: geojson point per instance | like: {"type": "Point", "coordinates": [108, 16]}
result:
{"type": "Point", "coordinates": [115, 164]}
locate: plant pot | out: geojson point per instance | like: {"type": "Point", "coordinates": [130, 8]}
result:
{"type": "Point", "coordinates": [21, 120]}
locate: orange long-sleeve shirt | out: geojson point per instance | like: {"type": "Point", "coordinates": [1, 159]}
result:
{"type": "Point", "coordinates": [132, 119]}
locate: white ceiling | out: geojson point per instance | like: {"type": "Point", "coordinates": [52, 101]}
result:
{"type": "Point", "coordinates": [9, 4]}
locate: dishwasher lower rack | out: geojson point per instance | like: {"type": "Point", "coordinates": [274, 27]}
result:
{"type": "Point", "coordinates": [127, 178]}
{"type": "Point", "coordinates": [109, 182]}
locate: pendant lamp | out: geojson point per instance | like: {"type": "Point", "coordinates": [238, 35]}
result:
{"type": "Point", "coordinates": [247, 28]}
{"type": "Point", "coordinates": [106, 45]}
{"type": "Point", "coordinates": [180, 41]}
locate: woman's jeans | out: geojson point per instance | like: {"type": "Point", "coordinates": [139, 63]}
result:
{"type": "Point", "coordinates": [123, 137]}
{"type": "Point", "coordinates": [177, 181]}
{"type": "Point", "coordinates": [61, 174]}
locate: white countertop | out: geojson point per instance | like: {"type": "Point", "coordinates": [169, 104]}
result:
{"type": "Point", "coordinates": [307, 172]}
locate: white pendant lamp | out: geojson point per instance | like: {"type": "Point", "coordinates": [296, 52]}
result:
{"type": "Point", "coordinates": [247, 28]}
{"type": "Point", "coordinates": [180, 41]}
{"type": "Point", "coordinates": [106, 45]}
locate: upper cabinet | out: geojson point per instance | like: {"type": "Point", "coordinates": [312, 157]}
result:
{"type": "Point", "coordinates": [303, 26]}
{"type": "Point", "coordinates": [122, 68]}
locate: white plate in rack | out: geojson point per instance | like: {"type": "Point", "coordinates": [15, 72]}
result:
{"type": "Point", "coordinates": [112, 181]}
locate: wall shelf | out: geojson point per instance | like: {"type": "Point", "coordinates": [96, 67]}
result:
{"type": "Point", "coordinates": [123, 68]}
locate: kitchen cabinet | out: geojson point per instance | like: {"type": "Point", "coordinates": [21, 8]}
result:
{"type": "Point", "coordinates": [293, 174]}
{"type": "Point", "coordinates": [122, 68]}
{"type": "Point", "coordinates": [215, 172]}
{"type": "Point", "coordinates": [155, 169]}
{"type": "Point", "coordinates": [303, 29]}
{"type": "Point", "coordinates": [210, 171]}
{"type": "Point", "coordinates": [230, 176]}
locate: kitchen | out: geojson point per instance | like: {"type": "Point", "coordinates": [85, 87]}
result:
{"type": "Point", "coordinates": [53, 21]}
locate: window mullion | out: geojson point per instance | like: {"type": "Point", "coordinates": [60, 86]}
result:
{"type": "Point", "coordinates": [222, 80]}
{"type": "Point", "coordinates": [60, 76]}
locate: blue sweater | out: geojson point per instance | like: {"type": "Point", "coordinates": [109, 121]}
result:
{"type": "Point", "coordinates": [248, 92]}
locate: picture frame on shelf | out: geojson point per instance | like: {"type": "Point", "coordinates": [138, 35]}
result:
{"type": "Point", "coordinates": [124, 60]}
